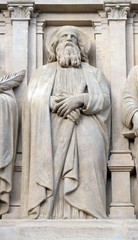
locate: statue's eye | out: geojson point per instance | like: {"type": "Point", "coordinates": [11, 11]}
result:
{"type": "Point", "coordinates": [65, 35]}
{"type": "Point", "coordinates": [73, 36]}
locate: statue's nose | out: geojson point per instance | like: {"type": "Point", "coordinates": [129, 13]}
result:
{"type": "Point", "coordinates": [68, 37]}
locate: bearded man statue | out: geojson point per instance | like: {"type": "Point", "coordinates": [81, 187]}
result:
{"type": "Point", "coordinates": [66, 134]}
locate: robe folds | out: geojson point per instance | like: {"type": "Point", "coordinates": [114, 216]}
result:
{"type": "Point", "coordinates": [58, 152]}
{"type": "Point", "coordinates": [8, 141]}
{"type": "Point", "coordinates": [129, 108]}
{"type": "Point", "coordinates": [130, 98]}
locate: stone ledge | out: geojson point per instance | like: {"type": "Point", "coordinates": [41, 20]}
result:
{"type": "Point", "coordinates": [69, 229]}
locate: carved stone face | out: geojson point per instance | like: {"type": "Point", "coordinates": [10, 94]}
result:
{"type": "Point", "coordinates": [68, 37]}
{"type": "Point", "coordinates": [67, 51]}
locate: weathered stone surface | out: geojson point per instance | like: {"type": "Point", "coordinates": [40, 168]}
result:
{"type": "Point", "coordinates": [67, 145]}
{"type": "Point", "coordinates": [69, 229]}
{"type": "Point", "coordinates": [8, 232]}
{"type": "Point", "coordinates": [112, 27]}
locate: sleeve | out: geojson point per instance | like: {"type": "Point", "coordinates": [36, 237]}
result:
{"type": "Point", "coordinates": [130, 98]}
{"type": "Point", "coordinates": [98, 97]}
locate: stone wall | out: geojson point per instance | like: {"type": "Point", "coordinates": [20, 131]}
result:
{"type": "Point", "coordinates": [113, 29]}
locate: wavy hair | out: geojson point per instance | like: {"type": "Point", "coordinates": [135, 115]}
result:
{"type": "Point", "coordinates": [51, 53]}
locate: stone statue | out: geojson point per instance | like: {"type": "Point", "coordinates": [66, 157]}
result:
{"type": "Point", "coordinates": [65, 134]}
{"type": "Point", "coordinates": [130, 111]}
{"type": "Point", "coordinates": [130, 101]}
{"type": "Point", "coordinates": [8, 134]}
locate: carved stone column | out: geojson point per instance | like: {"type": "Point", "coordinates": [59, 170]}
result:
{"type": "Point", "coordinates": [20, 17]}
{"type": "Point", "coordinates": [8, 40]}
{"type": "Point", "coordinates": [130, 40]}
{"type": "Point", "coordinates": [101, 34]}
{"type": "Point", "coordinates": [32, 45]}
{"type": "Point", "coordinates": [98, 38]}
{"type": "Point", "coordinates": [120, 163]}
{"type": "Point", "coordinates": [39, 43]}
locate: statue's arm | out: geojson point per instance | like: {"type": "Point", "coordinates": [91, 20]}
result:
{"type": "Point", "coordinates": [97, 100]}
{"type": "Point", "coordinates": [130, 100]}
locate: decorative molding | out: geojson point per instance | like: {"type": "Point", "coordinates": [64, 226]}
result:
{"type": "Point", "coordinates": [118, 204]}
{"type": "Point", "coordinates": [132, 14]}
{"type": "Point", "coordinates": [102, 14]}
{"type": "Point", "coordinates": [40, 27]}
{"type": "Point", "coordinates": [117, 11]}
{"type": "Point", "coordinates": [20, 11]}
{"type": "Point", "coordinates": [6, 13]}
{"type": "Point", "coordinates": [97, 28]}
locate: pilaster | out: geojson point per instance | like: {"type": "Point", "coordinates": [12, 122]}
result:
{"type": "Point", "coordinates": [105, 45]}
{"type": "Point", "coordinates": [32, 56]}
{"type": "Point", "coordinates": [20, 17]}
{"type": "Point", "coordinates": [98, 38]}
{"type": "Point", "coordinates": [130, 40]}
{"type": "Point", "coordinates": [39, 43]}
{"type": "Point", "coordinates": [8, 41]}
{"type": "Point", "coordinates": [120, 163]}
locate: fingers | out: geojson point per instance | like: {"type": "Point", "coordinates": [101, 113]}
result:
{"type": "Point", "coordinates": [77, 111]}
{"type": "Point", "coordinates": [60, 99]}
{"type": "Point", "coordinates": [63, 111]}
{"type": "Point", "coordinates": [70, 117]}
{"type": "Point", "coordinates": [57, 106]}
{"type": "Point", "coordinates": [136, 132]}
{"type": "Point", "coordinates": [74, 116]}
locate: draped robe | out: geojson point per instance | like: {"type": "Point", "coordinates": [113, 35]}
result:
{"type": "Point", "coordinates": [129, 108]}
{"type": "Point", "coordinates": [64, 165]}
{"type": "Point", "coordinates": [130, 98]}
{"type": "Point", "coordinates": [8, 141]}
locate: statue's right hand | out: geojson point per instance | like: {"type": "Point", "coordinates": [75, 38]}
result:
{"type": "Point", "coordinates": [135, 123]}
{"type": "Point", "coordinates": [54, 102]}
{"type": "Point", "coordinates": [74, 116]}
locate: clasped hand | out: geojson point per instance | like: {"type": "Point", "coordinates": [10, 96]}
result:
{"type": "Point", "coordinates": [67, 107]}
{"type": "Point", "coordinates": [135, 123]}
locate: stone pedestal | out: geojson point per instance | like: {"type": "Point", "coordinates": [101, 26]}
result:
{"type": "Point", "coordinates": [121, 206]}
{"type": "Point", "coordinates": [65, 230]}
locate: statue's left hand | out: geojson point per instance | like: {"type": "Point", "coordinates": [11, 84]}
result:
{"type": "Point", "coordinates": [135, 123]}
{"type": "Point", "coordinates": [74, 116]}
{"type": "Point", "coordinates": [64, 107]}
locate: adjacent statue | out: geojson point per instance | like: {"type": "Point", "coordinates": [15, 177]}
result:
{"type": "Point", "coordinates": [130, 101]}
{"type": "Point", "coordinates": [130, 122]}
{"type": "Point", "coordinates": [130, 110]}
{"type": "Point", "coordinates": [8, 134]}
{"type": "Point", "coordinates": [66, 134]}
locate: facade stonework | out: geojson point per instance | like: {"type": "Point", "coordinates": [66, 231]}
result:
{"type": "Point", "coordinates": [109, 32]}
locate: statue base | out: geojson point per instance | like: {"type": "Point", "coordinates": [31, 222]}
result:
{"type": "Point", "coordinates": [68, 229]}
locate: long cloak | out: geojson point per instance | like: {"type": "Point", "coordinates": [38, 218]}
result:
{"type": "Point", "coordinates": [85, 180]}
{"type": "Point", "coordinates": [8, 141]}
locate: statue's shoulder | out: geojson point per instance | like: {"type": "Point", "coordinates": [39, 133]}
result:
{"type": "Point", "coordinates": [87, 66]}
{"type": "Point", "coordinates": [132, 76]}
{"type": "Point", "coordinates": [47, 67]}
{"type": "Point", "coordinates": [135, 67]}
{"type": "Point", "coordinates": [91, 68]}
{"type": "Point", "coordinates": [134, 71]}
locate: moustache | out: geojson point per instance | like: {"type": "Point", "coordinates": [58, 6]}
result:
{"type": "Point", "coordinates": [69, 44]}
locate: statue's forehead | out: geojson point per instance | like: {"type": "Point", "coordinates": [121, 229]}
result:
{"type": "Point", "coordinates": [67, 31]}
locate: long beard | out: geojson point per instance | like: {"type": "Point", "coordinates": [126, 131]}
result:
{"type": "Point", "coordinates": [68, 54]}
